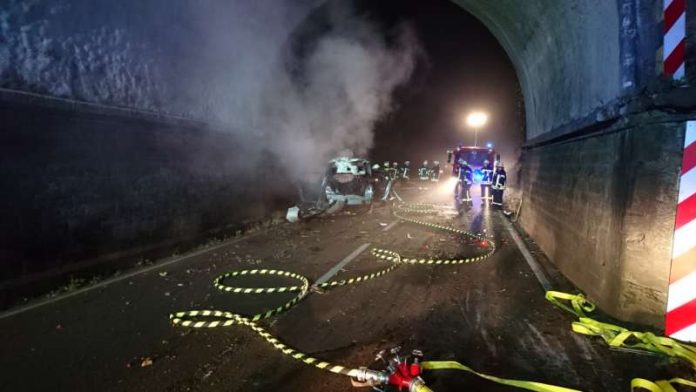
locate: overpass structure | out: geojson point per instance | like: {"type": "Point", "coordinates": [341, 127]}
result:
{"type": "Point", "coordinates": [608, 90]}
{"type": "Point", "coordinates": [608, 96]}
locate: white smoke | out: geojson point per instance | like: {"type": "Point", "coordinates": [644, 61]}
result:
{"type": "Point", "coordinates": [344, 87]}
{"type": "Point", "coordinates": [229, 63]}
{"type": "Point", "coordinates": [350, 78]}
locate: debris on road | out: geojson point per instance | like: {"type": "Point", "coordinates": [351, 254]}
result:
{"type": "Point", "coordinates": [146, 362]}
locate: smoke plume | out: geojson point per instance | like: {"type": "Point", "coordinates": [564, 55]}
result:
{"type": "Point", "coordinates": [305, 106]}
{"type": "Point", "coordinates": [233, 64]}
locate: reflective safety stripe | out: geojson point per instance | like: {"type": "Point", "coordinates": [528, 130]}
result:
{"type": "Point", "coordinates": [680, 319]}
{"type": "Point", "coordinates": [674, 38]}
{"type": "Point", "coordinates": [682, 291]}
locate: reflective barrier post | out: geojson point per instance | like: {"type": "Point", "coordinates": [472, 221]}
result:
{"type": "Point", "coordinates": [674, 38]}
{"type": "Point", "coordinates": [680, 319]}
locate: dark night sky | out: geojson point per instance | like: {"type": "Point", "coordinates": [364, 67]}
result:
{"type": "Point", "coordinates": [466, 68]}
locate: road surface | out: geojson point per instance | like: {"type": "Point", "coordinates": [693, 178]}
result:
{"type": "Point", "coordinates": [490, 315]}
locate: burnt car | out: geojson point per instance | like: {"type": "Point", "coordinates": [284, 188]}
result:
{"type": "Point", "coordinates": [348, 181]}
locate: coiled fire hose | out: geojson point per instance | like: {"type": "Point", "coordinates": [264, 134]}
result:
{"type": "Point", "coordinates": [579, 305]}
{"type": "Point", "coordinates": [219, 318]}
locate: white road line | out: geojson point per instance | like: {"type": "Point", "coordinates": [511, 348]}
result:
{"type": "Point", "coordinates": [536, 268]}
{"type": "Point", "coordinates": [22, 309]}
{"type": "Point", "coordinates": [333, 271]}
{"type": "Point", "coordinates": [389, 227]}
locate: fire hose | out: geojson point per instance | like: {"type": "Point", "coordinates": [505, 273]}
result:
{"type": "Point", "coordinates": [401, 373]}
{"type": "Point", "coordinates": [219, 318]}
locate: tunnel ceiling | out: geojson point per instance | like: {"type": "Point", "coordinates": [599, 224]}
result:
{"type": "Point", "coordinates": [566, 54]}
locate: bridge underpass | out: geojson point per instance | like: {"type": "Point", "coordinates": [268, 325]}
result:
{"type": "Point", "coordinates": [600, 170]}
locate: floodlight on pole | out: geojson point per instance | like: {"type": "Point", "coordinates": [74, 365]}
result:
{"type": "Point", "coordinates": [476, 120]}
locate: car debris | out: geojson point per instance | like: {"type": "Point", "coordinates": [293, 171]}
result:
{"type": "Point", "coordinates": [347, 181]}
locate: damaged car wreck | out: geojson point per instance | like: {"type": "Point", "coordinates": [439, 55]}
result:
{"type": "Point", "coordinates": [347, 181]}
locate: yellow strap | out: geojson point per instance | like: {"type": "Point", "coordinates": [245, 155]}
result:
{"type": "Point", "coordinates": [616, 336]}
{"type": "Point", "coordinates": [528, 385]}
{"type": "Point", "coordinates": [660, 386]}
{"type": "Point", "coordinates": [579, 303]}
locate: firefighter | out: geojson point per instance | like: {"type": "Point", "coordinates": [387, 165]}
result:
{"type": "Point", "coordinates": [498, 185]}
{"type": "Point", "coordinates": [388, 170]}
{"type": "Point", "coordinates": [424, 172]}
{"type": "Point", "coordinates": [406, 171]}
{"type": "Point", "coordinates": [486, 180]}
{"type": "Point", "coordinates": [380, 181]}
{"type": "Point", "coordinates": [435, 172]}
{"type": "Point", "coordinates": [463, 189]}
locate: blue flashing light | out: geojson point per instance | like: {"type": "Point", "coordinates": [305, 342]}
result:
{"type": "Point", "coordinates": [489, 145]}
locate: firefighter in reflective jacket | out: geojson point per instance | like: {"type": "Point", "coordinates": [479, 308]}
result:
{"type": "Point", "coordinates": [435, 172]}
{"type": "Point", "coordinates": [463, 189]}
{"type": "Point", "coordinates": [498, 185]}
{"type": "Point", "coordinates": [388, 170]}
{"type": "Point", "coordinates": [406, 171]}
{"type": "Point", "coordinates": [424, 172]}
{"type": "Point", "coordinates": [486, 180]}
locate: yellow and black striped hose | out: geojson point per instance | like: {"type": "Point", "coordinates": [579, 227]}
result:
{"type": "Point", "coordinates": [578, 305]}
{"type": "Point", "coordinates": [219, 318]}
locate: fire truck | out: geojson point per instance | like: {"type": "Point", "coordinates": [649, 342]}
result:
{"type": "Point", "coordinates": [474, 156]}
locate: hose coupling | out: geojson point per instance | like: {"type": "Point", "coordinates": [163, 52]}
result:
{"type": "Point", "coordinates": [371, 377]}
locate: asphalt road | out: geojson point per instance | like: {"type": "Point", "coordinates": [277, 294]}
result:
{"type": "Point", "coordinates": [491, 316]}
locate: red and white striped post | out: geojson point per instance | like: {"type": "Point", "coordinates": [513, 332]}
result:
{"type": "Point", "coordinates": [674, 45]}
{"type": "Point", "coordinates": [680, 320]}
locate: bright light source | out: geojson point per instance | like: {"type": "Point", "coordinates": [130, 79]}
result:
{"type": "Point", "coordinates": [476, 119]}
{"type": "Point", "coordinates": [489, 145]}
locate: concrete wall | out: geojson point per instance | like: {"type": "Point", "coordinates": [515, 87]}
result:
{"type": "Point", "coordinates": [79, 182]}
{"type": "Point", "coordinates": [602, 208]}
{"type": "Point", "coordinates": [573, 57]}
{"type": "Point", "coordinates": [174, 56]}
{"type": "Point", "coordinates": [604, 133]}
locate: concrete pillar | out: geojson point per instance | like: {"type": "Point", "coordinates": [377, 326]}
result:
{"type": "Point", "coordinates": [601, 207]}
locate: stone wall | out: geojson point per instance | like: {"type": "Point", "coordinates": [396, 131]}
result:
{"type": "Point", "coordinates": [574, 58]}
{"type": "Point", "coordinates": [79, 182]}
{"type": "Point", "coordinates": [602, 208]}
